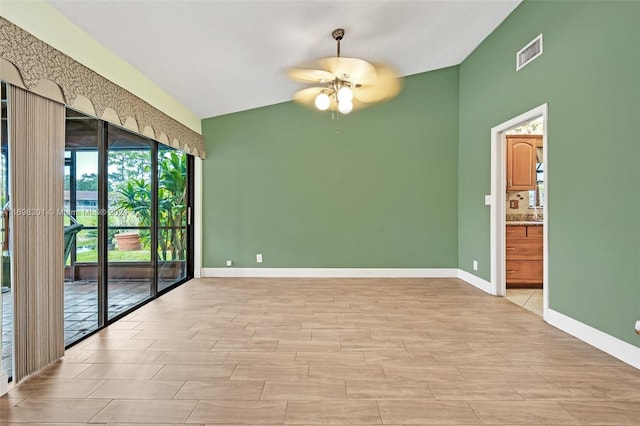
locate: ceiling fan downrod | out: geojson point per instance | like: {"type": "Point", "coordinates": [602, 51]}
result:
{"type": "Point", "coordinates": [337, 35]}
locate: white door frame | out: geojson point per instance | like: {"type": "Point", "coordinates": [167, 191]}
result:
{"type": "Point", "coordinates": [197, 217]}
{"type": "Point", "coordinates": [498, 202]}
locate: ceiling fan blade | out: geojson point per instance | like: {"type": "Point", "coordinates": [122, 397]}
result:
{"type": "Point", "coordinates": [377, 92]}
{"type": "Point", "coordinates": [308, 95]}
{"type": "Point", "coordinates": [305, 75]}
{"type": "Point", "coordinates": [354, 70]}
{"type": "Point", "coordinates": [387, 86]}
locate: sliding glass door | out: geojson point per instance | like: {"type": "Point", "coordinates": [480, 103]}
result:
{"type": "Point", "coordinates": [81, 249]}
{"type": "Point", "coordinates": [173, 191]}
{"type": "Point", "coordinates": [130, 220]}
{"type": "Point", "coordinates": [127, 199]}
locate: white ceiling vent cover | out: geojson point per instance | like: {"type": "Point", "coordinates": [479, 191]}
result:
{"type": "Point", "coordinates": [528, 53]}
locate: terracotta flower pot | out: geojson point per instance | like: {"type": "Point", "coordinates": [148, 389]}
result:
{"type": "Point", "coordinates": [128, 242]}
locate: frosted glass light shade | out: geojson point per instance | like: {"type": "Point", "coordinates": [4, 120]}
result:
{"type": "Point", "coordinates": [345, 94]}
{"type": "Point", "coordinates": [345, 107]}
{"type": "Point", "coordinates": [322, 101]}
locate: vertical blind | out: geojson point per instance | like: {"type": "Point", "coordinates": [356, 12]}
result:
{"type": "Point", "coordinates": [36, 145]}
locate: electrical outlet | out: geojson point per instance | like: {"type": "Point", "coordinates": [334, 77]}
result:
{"type": "Point", "coordinates": [637, 327]}
{"type": "Point", "coordinates": [475, 265]}
{"type": "Point", "coordinates": [513, 204]}
{"type": "Point", "coordinates": [229, 262]}
{"type": "Point", "coordinates": [259, 258]}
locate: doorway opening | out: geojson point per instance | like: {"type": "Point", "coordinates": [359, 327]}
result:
{"type": "Point", "coordinates": [519, 219]}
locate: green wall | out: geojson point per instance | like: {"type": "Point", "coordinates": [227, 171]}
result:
{"type": "Point", "coordinates": [589, 74]}
{"type": "Point", "coordinates": [381, 193]}
{"type": "Point", "coordinates": [402, 184]}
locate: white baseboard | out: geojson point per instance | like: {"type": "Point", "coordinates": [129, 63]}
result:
{"type": "Point", "coordinates": [331, 272]}
{"type": "Point", "coordinates": [475, 281]}
{"type": "Point", "coordinates": [4, 383]}
{"type": "Point", "coordinates": [348, 273]}
{"type": "Point", "coordinates": [615, 347]}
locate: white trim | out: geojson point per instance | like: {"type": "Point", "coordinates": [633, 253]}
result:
{"type": "Point", "coordinates": [475, 281]}
{"type": "Point", "coordinates": [197, 218]}
{"type": "Point", "coordinates": [349, 273]}
{"type": "Point", "coordinates": [332, 272]}
{"type": "Point", "coordinates": [545, 211]}
{"type": "Point", "coordinates": [615, 347]}
{"type": "Point", "coordinates": [498, 192]}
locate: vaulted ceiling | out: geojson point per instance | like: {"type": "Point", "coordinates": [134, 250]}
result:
{"type": "Point", "coordinates": [218, 57]}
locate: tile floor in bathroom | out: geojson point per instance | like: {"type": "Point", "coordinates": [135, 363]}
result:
{"type": "Point", "coordinates": [528, 298]}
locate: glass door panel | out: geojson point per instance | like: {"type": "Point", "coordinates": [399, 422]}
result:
{"type": "Point", "coordinates": [130, 269]}
{"type": "Point", "coordinates": [6, 298]}
{"type": "Point", "coordinates": [80, 226]}
{"type": "Point", "coordinates": [172, 216]}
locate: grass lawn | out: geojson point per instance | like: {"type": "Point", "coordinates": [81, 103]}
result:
{"type": "Point", "coordinates": [87, 239]}
{"type": "Point", "coordinates": [115, 256]}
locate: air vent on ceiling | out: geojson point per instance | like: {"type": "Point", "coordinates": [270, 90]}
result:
{"type": "Point", "coordinates": [528, 53]}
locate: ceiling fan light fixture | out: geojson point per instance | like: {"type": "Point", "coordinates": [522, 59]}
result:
{"type": "Point", "coordinates": [342, 83]}
{"type": "Point", "coordinates": [322, 101]}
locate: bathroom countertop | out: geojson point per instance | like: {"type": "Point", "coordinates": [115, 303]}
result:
{"type": "Point", "coordinates": [524, 222]}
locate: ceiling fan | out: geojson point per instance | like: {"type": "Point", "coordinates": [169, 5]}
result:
{"type": "Point", "coordinates": [344, 84]}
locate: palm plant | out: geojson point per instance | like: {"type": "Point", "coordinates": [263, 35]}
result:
{"type": "Point", "coordinates": [134, 196]}
{"type": "Point", "coordinates": [172, 205]}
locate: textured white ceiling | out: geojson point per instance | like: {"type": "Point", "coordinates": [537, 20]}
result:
{"type": "Point", "coordinates": [218, 57]}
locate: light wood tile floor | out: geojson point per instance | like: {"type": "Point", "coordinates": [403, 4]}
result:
{"type": "Point", "coordinates": [329, 351]}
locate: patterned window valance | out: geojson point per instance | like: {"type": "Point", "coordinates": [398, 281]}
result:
{"type": "Point", "coordinates": [29, 62]}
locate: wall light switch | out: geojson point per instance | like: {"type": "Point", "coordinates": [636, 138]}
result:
{"type": "Point", "coordinates": [488, 200]}
{"type": "Point", "coordinates": [259, 258]}
{"type": "Point", "coordinates": [229, 262]}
